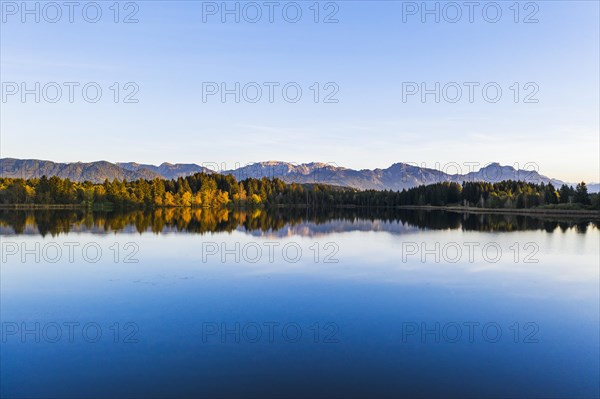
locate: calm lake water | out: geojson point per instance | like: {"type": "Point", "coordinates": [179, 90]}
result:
{"type": "Point", "coordinates": [346, 303]}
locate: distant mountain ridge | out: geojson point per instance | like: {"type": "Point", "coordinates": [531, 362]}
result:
{"type": "Point", "coordinates": [397, 177]}
{"type": "Point", "coordinates": [166, 170]}
{"type": "Point", "coordinates": [78, 171]}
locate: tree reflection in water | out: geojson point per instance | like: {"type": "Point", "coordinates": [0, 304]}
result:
{"type": "Point", "coordinates": [206, 220]}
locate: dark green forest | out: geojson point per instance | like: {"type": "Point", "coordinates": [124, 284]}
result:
{"type": "Point", "coordinates": [218, 191]}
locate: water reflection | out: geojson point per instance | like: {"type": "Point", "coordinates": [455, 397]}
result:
{"type": "Point", "coordinates": [371, 290]}
{"type": "Point", "coordinates": [288, 221]}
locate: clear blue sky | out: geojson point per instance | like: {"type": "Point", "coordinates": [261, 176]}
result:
{"type": "Point", "coordinates": [368, 54]}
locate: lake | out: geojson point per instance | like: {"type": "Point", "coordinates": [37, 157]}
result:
{"type": "Point", "coordinates": [296, 303]}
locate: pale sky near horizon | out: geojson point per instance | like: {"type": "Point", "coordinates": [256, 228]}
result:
{"type": "Point", "coordinates": [366, 61]}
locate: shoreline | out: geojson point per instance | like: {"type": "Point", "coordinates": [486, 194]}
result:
{"type": "Point", "coordinates": [595, 214]}
{"type": "Point", "coordinates": [508, 211]}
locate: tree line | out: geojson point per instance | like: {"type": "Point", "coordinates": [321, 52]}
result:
{"type": "Point", "coordinates": [217, 191]}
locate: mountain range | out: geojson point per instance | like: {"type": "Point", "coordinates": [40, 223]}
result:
{"type": "Point", "coordinates": [397, 177]}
